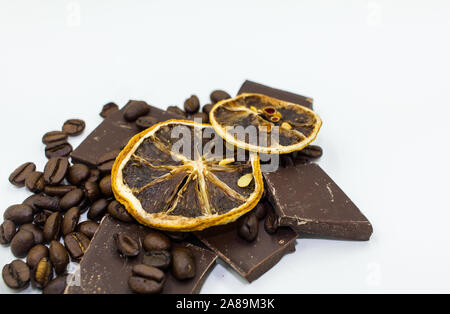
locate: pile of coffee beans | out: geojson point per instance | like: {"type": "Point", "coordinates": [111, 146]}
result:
{"type": "Point", "coordinates": [160, 256]}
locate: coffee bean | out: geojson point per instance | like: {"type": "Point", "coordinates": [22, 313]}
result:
{"type": "Point", "coordinates": [70, 220]}
{"type": "Point", "coordinates": [58, 190]}
{"type": "Point", "coordinates": [119, 212]}
{"type": "Point", "coordinates": [76, 244]}
{"type": "Point", "coordinates": [41, 201]}
{"type": "Point", "coordinates": [98, 209]}
{"type": "Point", "coordinates": [207, 108]}
{"type": "Point", "coordinates": [19, 214]}
{"type": "Point", "coordinates": [58, 149]}
{"type": "Point", "coordinates": [7, 231]}
{"type": "Point", "coordinates": [158, 259]}
{"type": "Point", "coordinates": [148, 272]}
{"type": "Point", "coordinates": [19, 175]}
{"type": "Point", "coordinates": [201, 117]}
{"type": "Point", "coordinates": [109, 109]}
{"type": "Point", "coordinates": [37, 232]}
{"type": "Point", "coordinates": [183, 263]}
{"type": "Point", "coordinates": [54, 136]}
{"type": "Point", "coordinates": [88, 228]}
{"type": "Point", "coordinates": [16, 275]}
{"type": "Point", "coordinates": [248, 227]}
{"type": "Point", "coordinates": [21, 243]}
{"type": "Point", "coordinates": [146, 122]}
{"type": "Point", "coordinates": [55, 170]}
{"type": "Point", "coordinates": [126, 245]}
{"type": "Point", "coordinates": [286, 161]}
{"type": "Point", "coordinates": [260, 210]}
{"type": "Point", "coordinates": [74, 127]}
{"type": "Point", "coordinates": [176, 111]}
{"type": "Point", "coordinates": [36, 253]}
{"type": "Point", "coordinates": [72, 199]}
{"type": "Point", "coordinates": [43, 273]}
{"type": "Point", "coordinates": [59, 257]}
{"type": "Point", "coordinates": [52, 227]}
{"type": "Point", "coordinates": [106, 162]}
{"type": "Point", "coordinates": [35, 182]}
{"type": "Point", "coordinates": [192, 104]}
{"type": "Point", "coordinates": [41, 218]}
{"type": "Point", "coordinates": [92, 191]}
{"type": "Point", "coordinates": [56, 286]}
{"type": "Point", "coordinates": [105, 187]}
{"type": "Point", "coordinates": [309, 152]}
{"type": "Point", "coordinates": [142, 285]}
{"type": "Point", "coordinates": [177, 236]}
{"type": "Point", "coordinates": [77, 174]}
{"type": "Point", "coordinates": [136, 109]}
{"type": "Point", "coordinates": [94, 175]}
{"type": "Point", "coordinates": [271, 223]}
{"type": "Point", "coordinates": [218, 95]}
{"type": "Point", "coordinates": [156, 241]}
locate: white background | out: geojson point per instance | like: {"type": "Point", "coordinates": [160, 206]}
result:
{"type": "Point", "coordinates": [377, 70]}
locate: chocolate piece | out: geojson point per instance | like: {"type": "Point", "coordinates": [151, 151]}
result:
{"type": "Point", "coordinates": [249, 259]}
{"type": "Point", "coordinates": [111, 135]}
{"type": "Point", "coordinates": [252, 87]}
{"type": "Point", "coordinates": [306, 199]}
{"type": "Point", "coordinates": [103, 270]}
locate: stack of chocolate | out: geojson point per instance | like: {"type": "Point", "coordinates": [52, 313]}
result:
{"type": "Point", "coordinates": [300, 198]}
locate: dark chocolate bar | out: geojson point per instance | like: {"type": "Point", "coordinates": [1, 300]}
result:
{"type": "Point", "coordinates": [252, 87]}
{"type": "Point", "coordinates": [104, 271]}
{"type": "Point", "coordinates": [250, 259]}
{"type": "Point", "coordinates": [112, 135]}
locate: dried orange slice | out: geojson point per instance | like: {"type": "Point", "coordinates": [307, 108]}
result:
{"type": "Point", "coordinates": [174, 176]}
{"type": "Point", "coordinates": [267, 125]}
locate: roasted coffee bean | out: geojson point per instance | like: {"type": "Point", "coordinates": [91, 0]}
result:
{"type": "Point", "coordinates": [177, 236]}
{"type": "Point", "coordinates": [286, 161]}
{"type": "Point", "coordinates": [119, 212]}
{"type": "Point", "coordinates": [207, 108]}
{"type": "Point", "coordinates": [98, 209]}
{"type": "Point", "coordinates": [158, 259]}
{"type": "Point", "coordinates": [183, 263]}
{"type": "Point", "coordinates": [146, 122]}
{"type": "Point", "coordinates": [309, 152]}
{"type": "Point", "coordinates": [35, 182]}
{"type": "Point", "coordinates": [148, 272]}
{"type": "Point", "coordinates": [43, 273]}
{"type": "Point", "coordinates": [70, 220]}
{"type": "Point", "coordinates": [126, 245]}
{"type": "Point", "coordinates": [16, 275]}
{"type": "Point", "coordinates": [201, 117]}
{"type": "Point", "coordinates": [73, 127]}
{"type": "Point", "coordinates": [77, 174]}
{"type": "Point", "coordinates": [72, 199]}
{"type": "Point", "coordinates": [52, 227]}
{"type": "Point", "coordinates": [58, 149]}
{"type": "Point", "coordinates": [109, 109]}
{"type": "Point", "coordinates": [56, 286]}
{"type": "Point", "coordinates": [55, 170]}
{"type": "Point", "coordinates": [142, 285]}
{"type": "Point", "coordinates": [88, 228]}
{"type": "Point", "coordinates": [176, 111]}
{"type": "Point", "coordinates": [54, 136]}
{"type": "Point", "coordinates": [135, 110]}
{"type": "Point", "coordinates": [58, 190]}
{"type": "Point", "coordinates": [105, 186]}
{"type": "Point", "coordinates": [36, 253]}
{"type": "Point", "coordinates": [156, 241]}
{"type": "Point", "coordinates": [192, 104]}
{"type": "Point", "coordinates": [106, 162]}
{"type": "Point", "coordinates": [21, 243]}
{"type": "Point", "coordinates": [59, 257]}
{"type": "Point", "coordinates": [7, 231]}
{"type": "Point", "coordinates": [92, 191]}
{"type": "Point", "coordinates": [94, 175]}
{"type": "Point", "coordinates": [19, 214]}
{"type": "Point", "coordinates": [37, 232]}
{"type": "Point", "coordinates": [40, 202]}
{"type": "Point", "coordinates": [76, 244]}
{"type": "Point", "coordinates": [248, 227]}
{"type": "Point", "coordinates": [260, 210]}
{"type": "Point", "coordinates": [19, 175]}
{"type": "Point", "coordinates": [41, 218]}
{"type": "Point", "coordinates": [271, 223]}
{"type": "Point", "coordinates": [218, 95]}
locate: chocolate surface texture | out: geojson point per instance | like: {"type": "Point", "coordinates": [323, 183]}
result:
{"type": "Point", "coordinates": [104, 271]}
